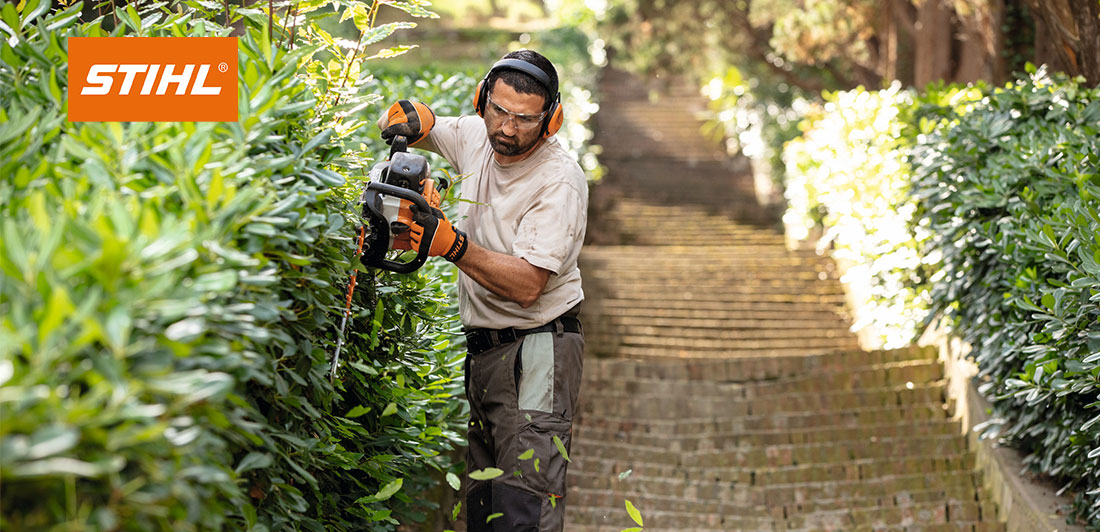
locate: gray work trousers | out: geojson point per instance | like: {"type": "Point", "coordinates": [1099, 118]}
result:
{"type": "Point", "coordinates": [522, 394]}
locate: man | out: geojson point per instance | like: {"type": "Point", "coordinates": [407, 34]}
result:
{"type": "Point", "coordinates": [519, 286]}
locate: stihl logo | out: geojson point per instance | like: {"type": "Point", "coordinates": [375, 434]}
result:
{"type": "Point", "coordinates": [152, 79]}
{"type": "Point", "coordinates": [99, 83]}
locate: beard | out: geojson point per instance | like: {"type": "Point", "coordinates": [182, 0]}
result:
{"type": "Point", "coordinates": [510, 146]}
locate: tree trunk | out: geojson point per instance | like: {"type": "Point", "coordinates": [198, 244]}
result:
{"type": "Point", "coordinates": [1088, 24]}
{"type": "Point", "coordinates": [1069, 29]}
{"type": "Point", "coordinates": [934, 37]}
{"type": "Point", "coordinates": [888, 42]}
{"type": "Point", "coordinates": [980, 42]}
{"type": "Point", "coordinates": [1000, 68]}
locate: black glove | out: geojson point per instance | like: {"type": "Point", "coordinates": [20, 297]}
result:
{"type": "Point", "coordinates": [403, 129]}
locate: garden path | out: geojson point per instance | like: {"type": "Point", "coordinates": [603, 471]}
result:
{"type": "Point", "coordinates": [723, 390]}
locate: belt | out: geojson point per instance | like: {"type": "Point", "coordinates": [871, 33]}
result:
{"type": "Point", "coordinates": [480, 340]}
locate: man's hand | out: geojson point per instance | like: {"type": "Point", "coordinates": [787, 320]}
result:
{"type": "Point", "coordinates": [412, 120]}
{"type": "Point", "coordinates": [449, 242]}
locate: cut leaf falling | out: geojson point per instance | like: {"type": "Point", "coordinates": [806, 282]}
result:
{"type": "Point", "coordinates": [488, 473]}
{"type": "Point", "coordinates": [561, 448]}
{"type": "Point", "coordinates": [634, 513]}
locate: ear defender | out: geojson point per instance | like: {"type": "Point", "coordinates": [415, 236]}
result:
{"type": "Point", "coordinates": [479, 97]}
{"type": "Point", "coordinates": [554, 114]}
{"type": "Point", "coordinates": [554, 118]}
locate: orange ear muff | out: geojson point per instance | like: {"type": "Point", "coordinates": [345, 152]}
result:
{"type": "Point", "coordinates": [479, 97]}
{"type": "Point", "coordinates": [555, 117]}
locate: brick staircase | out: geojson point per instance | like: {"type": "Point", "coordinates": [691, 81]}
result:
{"type": "Point", "coordinates": [723, 390]}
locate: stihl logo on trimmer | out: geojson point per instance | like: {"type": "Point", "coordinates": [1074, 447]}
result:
{"type": "Point", "coordinates": [152, 79]}
{"type": "Point", "coordinates": [99, 82]}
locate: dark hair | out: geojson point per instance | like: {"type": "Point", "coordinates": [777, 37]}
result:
{"type": "Point", "coordinates": [525, 83]}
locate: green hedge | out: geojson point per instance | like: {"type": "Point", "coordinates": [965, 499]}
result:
{"type": "Point", "coordinates": [981, 207]}
{"type": "Point", "coordinates": [170, 292]}
{"type": "Point", "coordinates": [1011, 195]}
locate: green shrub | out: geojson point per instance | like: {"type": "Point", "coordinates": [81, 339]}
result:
{"type": "Point", "coordinates": [1011, 196]}
{"type": "Point", "coordinates": [170, 293]}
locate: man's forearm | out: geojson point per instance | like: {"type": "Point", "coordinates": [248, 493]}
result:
{"type": "Point", "coordinates": [506, 276]}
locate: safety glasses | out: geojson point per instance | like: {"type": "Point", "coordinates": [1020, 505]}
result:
{"type": "Point", "coordinates": [521, 121]}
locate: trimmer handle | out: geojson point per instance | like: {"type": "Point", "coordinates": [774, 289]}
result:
{"type": "Point", "coordinates": [400, 144]}
{"type": "Point", "coordinates": [430, 226]}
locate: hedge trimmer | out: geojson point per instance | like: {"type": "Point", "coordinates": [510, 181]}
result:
{"type": "Point", "coordinates": [395, 185]}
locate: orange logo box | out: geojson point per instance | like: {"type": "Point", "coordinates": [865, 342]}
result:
{"type": "Point", "coordinates": [152, 79]}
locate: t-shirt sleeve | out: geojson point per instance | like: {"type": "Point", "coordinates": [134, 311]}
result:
{"type": "Point", "coordinates": [547, 233]}
{"type": "Point", "coordinates": [449, 136]}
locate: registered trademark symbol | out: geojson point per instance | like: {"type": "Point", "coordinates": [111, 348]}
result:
{"type": "Point", "coordinates": [223, 66]}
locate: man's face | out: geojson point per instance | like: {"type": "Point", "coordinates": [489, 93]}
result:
{"type": "Point", "coordinates": [512, 119]}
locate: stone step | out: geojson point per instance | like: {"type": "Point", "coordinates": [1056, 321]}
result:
{"type": "Point", "coordinates": [638, 210]}
{"type": "Point", "coordinates": [715, 346]}
{"type": "Point", "coordinates": [632, 314]}
{"type": "Point", "coordinates": [793, 303]}
{"type": "Point", "coordinates": [899, 487]}
{"type": "Point", "coordinates": [823, 321]}
{"type": "Point", "coordinates": [668, 232]}
{"type": "Point", "coordinates": [727, 280]}
{"type": "Point", "coordinates": [735, 500]}
{"type": "Point", "coordinates": [717, 276]}
{"type": "Point", "coordinates": [706, 292]}
{"type": "Point", "coordinates": [663, 435]}
{"type": "Point", "coordinates": [609, 343]}
{"type": "Point", "coordinates": [956, 526]}
{"type": "Point", "coordinates": [900, 374]}
{"type": "Point", "coordinates": [644, 210]}
{"type": "Point", "coordinates": [772, 421]}
{"type": "Point", "coordinates": [793, 332]}
{"type": "Point", "coordinates": [657, 406]}
{"type": "Point", "coordinates": [769, 302]}
{"type": "Point", "coordinates": [747, 262]}
{"type": "Point", "coordinates": [722, 229]}
{"type": "Point", "coordinates": [688, 353]}
{"type": "Point", "coordinates": [757, 368]}
{"type": "Point", "coordinates": [794, 475]}
{"type": "Point", "coordinates": [703, 257]}
{"type": "Point", "coordinates": [676, 236]}
{"type": "Point", "coordinates": [795, 422]}
{"type": "Point", "coordinates": [962, 515]}
{"type": "Point", "coordinates": [751, 457]}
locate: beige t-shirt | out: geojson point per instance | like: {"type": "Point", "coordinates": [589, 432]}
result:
{"type": "Point", "coordinates": [535, 209]}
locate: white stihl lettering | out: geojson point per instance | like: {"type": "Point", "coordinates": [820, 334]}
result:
{"type": "Point", "coordinates": [100, 81]}
{"type": "Point", "coordinates": [131, 71]}
{"type": "Point", "coordinates": [96, 77]}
